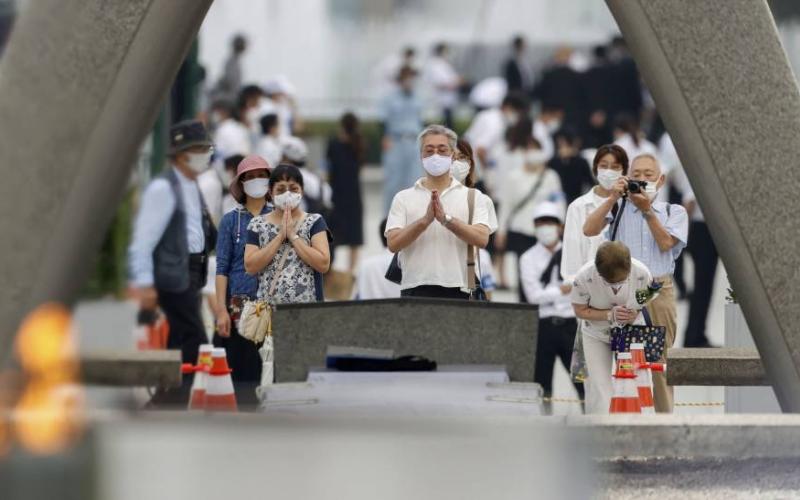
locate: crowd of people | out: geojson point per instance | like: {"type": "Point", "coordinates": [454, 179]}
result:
{"type": "Point", "coordinates": [540, 182]}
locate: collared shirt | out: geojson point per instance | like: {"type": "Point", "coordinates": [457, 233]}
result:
{"type": "Point", "coordinates": [371, 282]}
{"type": "Point", "coordinates": [635, 233]}
{"type": "Point", "coordinates": [578, 248]}
{"type": "Point", "coordinates": [230, 252]}
{"type": "Point", "coordinates": [589, 288]}
{"type": "Point", "coordinates": [401, 113]}
{"type": "Point", "coordinates": [156, 208]}
{"type": "Point", "coordinates": [437, 257]}
{"type": "Point", "coordinates": [552, 303]}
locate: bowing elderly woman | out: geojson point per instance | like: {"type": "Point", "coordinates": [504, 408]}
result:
{"type": "Point", "coordinates": [288, 248]}
{"type": "Point", "coordinates": [234, 286]}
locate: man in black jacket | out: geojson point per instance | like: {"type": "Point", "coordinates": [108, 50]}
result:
{"type": "Point", "coordinates": [517, 69]}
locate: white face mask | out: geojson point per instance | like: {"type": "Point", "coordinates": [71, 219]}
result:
{"type": "Point", "coordinates": [547, 234]}
{"type": "Point", "coordinates": [459, 170]}
{"type": "Point", "coordinates": [553, 126]}
{"type": "Point", "coordinates": [288, 200]}
{"type": "Point", "coordinates": [651, 190]}
{"type": "Point", "coordinates": [255, 188]}
{"type": "Point", "coordinates": [198, 162]}
{"type": "Point", "coordinates": [607, 177]}
{"type": "Point", "coordinates": [437, 165]}
{"type": "Point", "coordinates": [535, 157]}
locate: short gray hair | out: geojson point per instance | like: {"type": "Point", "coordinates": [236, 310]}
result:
{"type": "Point", "coordinates": [452, 137]}
{"type": "Point", "coordinates": [647, 156]}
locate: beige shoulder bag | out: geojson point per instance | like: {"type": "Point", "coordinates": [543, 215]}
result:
{"type": "Point", "coordinates": [255, 322]}
{"type": "Point", "coordinates": [476, 292]}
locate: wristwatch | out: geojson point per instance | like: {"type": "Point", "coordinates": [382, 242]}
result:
{"type": "Point", "coordinates": [447, 219]}
{"type": "Point", "coordinates": [295, 237]}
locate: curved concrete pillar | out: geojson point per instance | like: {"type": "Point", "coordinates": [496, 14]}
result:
{"type": "Point", "coordinates": [80, 86]}
{"type": "Point", "coordinates": [723, 85]}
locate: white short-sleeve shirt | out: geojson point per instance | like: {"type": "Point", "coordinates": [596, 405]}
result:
{"type": "Point", "coordinates": [589, 288]}
{"type": "Point", "coordinates": [579, 248]}
{"type": "Point", "coordinates": [437, 257]}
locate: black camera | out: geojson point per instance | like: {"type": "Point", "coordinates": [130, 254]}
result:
{"type": "Point", "coordinates": [636, 186]}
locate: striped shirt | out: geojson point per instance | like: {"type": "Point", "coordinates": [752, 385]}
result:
{"type": "Point", "coordinates": [636, 234]}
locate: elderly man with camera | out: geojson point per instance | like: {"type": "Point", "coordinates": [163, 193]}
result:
{"type": "Point", "coordinates": [656, 233]}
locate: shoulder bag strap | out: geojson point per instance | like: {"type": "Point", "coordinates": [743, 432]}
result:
{"type": "Point", "coordinates": [282, 262]}
{"type": "Point", "coordinates": [531, 194]}
{"type": "Point", "coordinates": [647, 320]}
{"type": "Point", "coordinates": [471, 248]}
{"type": "Point", "coordinates": [617, 218]}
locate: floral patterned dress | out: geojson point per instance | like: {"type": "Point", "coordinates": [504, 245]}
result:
{"type": "Point", "coordinates": [297, 281]}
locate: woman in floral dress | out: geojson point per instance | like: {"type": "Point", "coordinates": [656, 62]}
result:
{"type": "Point", "coordinates": [288, 248]}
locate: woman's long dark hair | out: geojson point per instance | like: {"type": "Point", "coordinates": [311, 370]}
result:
{"type": "Point", "coordinates": [352, 134]}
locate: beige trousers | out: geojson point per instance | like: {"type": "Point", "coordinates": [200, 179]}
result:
{"type": "Point", "coordinates": [663, 312]}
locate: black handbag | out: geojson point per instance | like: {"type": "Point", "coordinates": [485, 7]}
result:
{"type": "Point", "coordinates": [653, 338]}
{"type": "Point", "coordinates": [394, 273]}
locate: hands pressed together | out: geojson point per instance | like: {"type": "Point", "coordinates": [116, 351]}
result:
{"type": "Point", "coordinates": [435, 209]}
{"type": "Point", "coordinates": [288, 229]}
{"type": "Point", "coordinates": [624, 315]}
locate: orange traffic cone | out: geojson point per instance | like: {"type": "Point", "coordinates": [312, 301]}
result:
{"type": "Point", "coordinates": [219, 390]}
{"type": "Point", "coordinates": [644, 379]}
{"type": "Point", "coordinates": [197, 400]}
{"type": "Point", "coordinates": [626, 396]}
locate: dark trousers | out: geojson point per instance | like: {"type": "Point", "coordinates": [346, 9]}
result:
{"type": "Point", "coordinates": [186, 333]}
{"type": "Point", "coordinates": [555, 340]}
{"type": "Point", "coordinates": [705, 257]}
{"type": "Point", "coordinates": [518, 244]}
{"type": "Point", "coordinates": [432, 291]}
{"type": "Point", "coordinates": [244, 360]}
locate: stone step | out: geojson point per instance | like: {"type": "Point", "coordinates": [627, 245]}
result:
{"type": "Point", "coordinates": [719, 366]}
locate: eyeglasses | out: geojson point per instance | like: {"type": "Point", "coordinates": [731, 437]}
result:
{"type": "Point", "coordinates": [441, 150]}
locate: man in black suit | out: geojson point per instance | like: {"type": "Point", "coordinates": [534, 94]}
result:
{"type": "Point", "coordinates": [517, 69]}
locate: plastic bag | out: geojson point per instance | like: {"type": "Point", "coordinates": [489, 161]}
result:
{"type": "Point", "coordinates": [577, 365]}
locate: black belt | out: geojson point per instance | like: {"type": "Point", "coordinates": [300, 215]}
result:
{"type": "Point", "coordinates": [557, 320]}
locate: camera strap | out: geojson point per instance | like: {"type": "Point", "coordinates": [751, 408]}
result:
{"type": "Point", "coordinates": [617, 217]}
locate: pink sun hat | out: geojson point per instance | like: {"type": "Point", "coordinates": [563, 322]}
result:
{"type": "Point", "coordinates": [251, 162]}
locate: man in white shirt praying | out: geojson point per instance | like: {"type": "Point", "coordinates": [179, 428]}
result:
{"type": "Point", "coordinates": [428, 224]}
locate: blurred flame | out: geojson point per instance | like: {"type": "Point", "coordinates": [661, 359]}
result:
{"type": "Point", "coordinates": [45, 344]}
{"type": "Point", "coordinates": [48, 417]}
